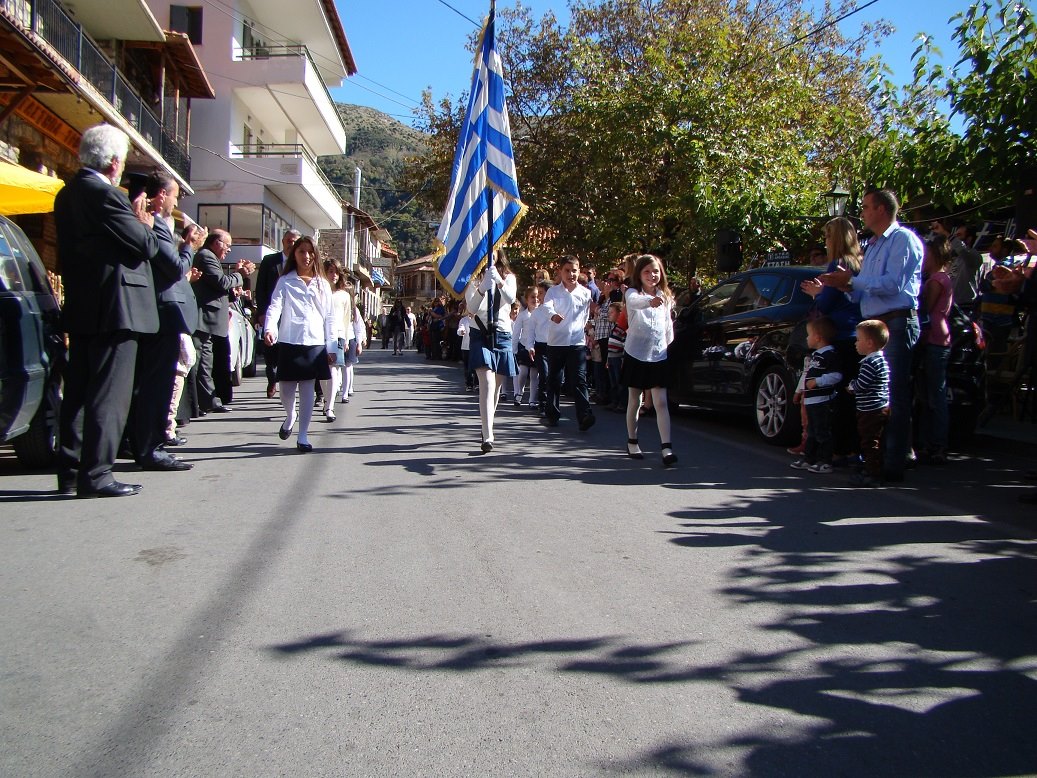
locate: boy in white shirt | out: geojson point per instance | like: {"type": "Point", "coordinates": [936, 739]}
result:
{"type": "Point", "coordinates": [568, 305]}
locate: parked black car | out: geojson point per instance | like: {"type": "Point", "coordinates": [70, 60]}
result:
{"type": "Point", "coordinates": [32, 351]}
{"type": "Point", "coordinates": [741, 345]}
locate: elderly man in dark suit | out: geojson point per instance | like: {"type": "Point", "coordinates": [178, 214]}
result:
{"type": "Point", "coordinates": [213, 291]}
{"type": "Point", "coordinates": [105, 247]}
{"type": "Point", "coordinates": [158, 354]}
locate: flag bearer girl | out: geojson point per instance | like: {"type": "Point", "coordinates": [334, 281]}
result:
{"type": "Point", "coordinates": [489, 297]}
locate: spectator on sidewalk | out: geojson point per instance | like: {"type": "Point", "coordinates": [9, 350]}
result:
{"type": "Point", "coordinates": [213, 291]}
{"type": "Point", "coordinates": [105, 246]}
{"type": "Point", "coordinates": [887, 289]}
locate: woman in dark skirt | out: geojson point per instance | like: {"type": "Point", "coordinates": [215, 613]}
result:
{"type": "Point", "coordinates": [301, 314]}
{"type": "Point", "coordinates": [489, 297]}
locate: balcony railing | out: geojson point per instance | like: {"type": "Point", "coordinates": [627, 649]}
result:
{"type": "Point", "coordinates": [284, 150]}
{"type": "Point", "coordinates": [50, 21]}
{"type": "Point", "coordinates": [268, 51]}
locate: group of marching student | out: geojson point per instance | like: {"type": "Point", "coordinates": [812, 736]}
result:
{"type": "Point", "coordinates": [546, 339]}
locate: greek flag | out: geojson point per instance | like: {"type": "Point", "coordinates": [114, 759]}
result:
{"type": "Point", "coordinates": [483, 181]}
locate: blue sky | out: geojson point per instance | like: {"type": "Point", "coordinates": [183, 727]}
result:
{"type": "Point", "coordinates": [403, 46]}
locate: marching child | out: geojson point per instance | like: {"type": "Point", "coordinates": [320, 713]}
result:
{"type": "Point", "coordinates": [820, 380]}
{"type": "Point", "coordinates": [541, 326]}
{"type": "Point", "coordinates": [649, 334]}
{"type": "Point", "coordinates": [524, 335]}
{"type": "Point", "coordinates": [871, 388]}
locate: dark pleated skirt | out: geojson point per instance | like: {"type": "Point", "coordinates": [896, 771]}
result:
{"type": "Point", "coordinates": [302, 363]}
{"type": "Point", "coordinates": [499, 359]}
{"type": "Point", "coordinates": [644, 375]}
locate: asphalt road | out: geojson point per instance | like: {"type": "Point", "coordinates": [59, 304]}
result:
{"type": "Point", "coordinates": [395, 604]}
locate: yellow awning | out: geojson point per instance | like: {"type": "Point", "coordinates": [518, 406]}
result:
{"type": "Point", "coordinates": [23, 191]}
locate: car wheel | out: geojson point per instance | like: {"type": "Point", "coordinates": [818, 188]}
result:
{"type": "Point", "coordinates": [777, 419]}
{"type": "Point", "coordinates": [235, 375]}
{"type": "Point", "coordinates": [249, 370]}
{"type": "Point", "coordinates": [37, 447]}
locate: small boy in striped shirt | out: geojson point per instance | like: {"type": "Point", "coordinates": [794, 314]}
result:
{"type": "Point", "coordinates": [871, 388]}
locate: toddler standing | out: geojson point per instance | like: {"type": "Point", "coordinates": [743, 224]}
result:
{"type": "Point", "coordinates": [820, 380]}
{"type": "Point", "coordinates": [871, 388]}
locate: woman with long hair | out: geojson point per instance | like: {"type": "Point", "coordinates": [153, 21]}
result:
{"type": "Point", "coordinates": [844, 253]}
{"type": "Point", "coordinates": [489, 297]}
{"type": "Point", "coordinates": [300, 314]}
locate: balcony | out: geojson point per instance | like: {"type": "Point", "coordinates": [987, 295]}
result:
{"type": "Point", "coordinates": [290, 171]}
{"type": "Point", "coordinates": [51, 22]}
{"type": "Point", "coordinates": [283, 89]}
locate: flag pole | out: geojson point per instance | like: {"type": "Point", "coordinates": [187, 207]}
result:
{"type": "Point", "coordinates": [494, 292]}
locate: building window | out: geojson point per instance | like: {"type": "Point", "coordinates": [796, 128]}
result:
{"type": "Point", "coordinates": [187, 19]}
{"type": "Point", "coordinates": [214, 217]}
{"type": "Point", "coordinates": [246, 224]}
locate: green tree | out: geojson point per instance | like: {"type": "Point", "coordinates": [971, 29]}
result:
{"type": "Point", "coordinates": [648, 125]}
{"type": "Point", "coordinates": [914, 147]}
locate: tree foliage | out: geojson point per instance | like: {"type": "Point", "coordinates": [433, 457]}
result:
{"type": "Point", "coordinates": [648, 125]}
{"type": "Point", "coordinates": [989, 91]}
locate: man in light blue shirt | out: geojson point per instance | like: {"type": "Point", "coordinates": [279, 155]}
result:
{"type": "Point", "coordinates": [887, 289]}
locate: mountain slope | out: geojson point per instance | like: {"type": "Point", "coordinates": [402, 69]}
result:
{"type": "Point", "coordinates": [380, 146]}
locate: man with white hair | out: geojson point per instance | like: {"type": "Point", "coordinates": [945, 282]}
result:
{"type": "Point", "coordinates": [105, 245]}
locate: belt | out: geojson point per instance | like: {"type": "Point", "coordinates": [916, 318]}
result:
{"type": "Point", "coordinates": [900, 313]}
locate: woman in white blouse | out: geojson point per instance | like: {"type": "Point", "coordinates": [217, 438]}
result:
{"type": "Point", "coordinates": [300, 314]}
{"type": "Point", "coordinates": [489, 298]}
{"type": "Point", "coordinates": [649, 333]}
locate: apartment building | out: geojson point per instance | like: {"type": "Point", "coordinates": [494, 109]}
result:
{"type": "Point", "coordinates": [255, 147]}
{"type": "Point", "coordinates": [64, 68]}
{"type": "Point", "coordinates": [360, 246]}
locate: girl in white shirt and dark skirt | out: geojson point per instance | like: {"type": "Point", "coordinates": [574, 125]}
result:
{"type": "Point", "coordinates": [489, 298]}
{"type": "Point", "coordinates": [301, 314]}
{"type": "Point", "coordinates": [649, 333]}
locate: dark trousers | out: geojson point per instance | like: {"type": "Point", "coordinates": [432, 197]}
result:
{"type": "Point", "coordinates": [542, 366]}
{"type": "Point", "coordinates": [601, 373]}
{"type": "Point", "coordinates": [871, 425]}
{"type": "Point", "coordinates": [98, 391]}
{"type": "Point", "coordinates": [819, 433]}
{"type": "Point", "coordinates": [157, 356]}
{"type": "Point", "coordinates": [570, 362]}
{"type": "Point", "coordinates": [270, 357]}
{"type": "Point", "coordinates": [221, 369]}
{"type": "Point", "coordinates": [844, 421]}
{"type": "Point", "coordinates": [213, 357]}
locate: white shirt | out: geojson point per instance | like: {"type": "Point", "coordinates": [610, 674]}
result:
{"type": "Point", "coordinates": [541, 324]}
{"type": "Point", "coordinates": [359, 328]}
{"type": "Point", "coordinates": [477, 302]}
{"type": "Point", "coordinates": [341, 307]}
{"type": "Point", "coordinates": [649, 330]}
{"type": "Point", "coordinates": [463, 329]}
{"type": "Point", "coordinates": [574, 308]}
{"type": "Point", "coordinates": [302, 311]}
{"type": "Point", "coordinates": [524, 329]}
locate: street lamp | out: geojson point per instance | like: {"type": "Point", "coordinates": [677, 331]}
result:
{"type": "Point", "coordinates": [837, 197]}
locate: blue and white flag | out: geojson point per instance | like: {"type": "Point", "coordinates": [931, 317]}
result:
{"type": "Point", "coordinates": [483, 176]}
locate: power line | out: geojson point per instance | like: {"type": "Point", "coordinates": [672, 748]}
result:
{"type": "Point", "coordinates": [463, 16]}
{"type": "Point", "coordinates": [824, 27]}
